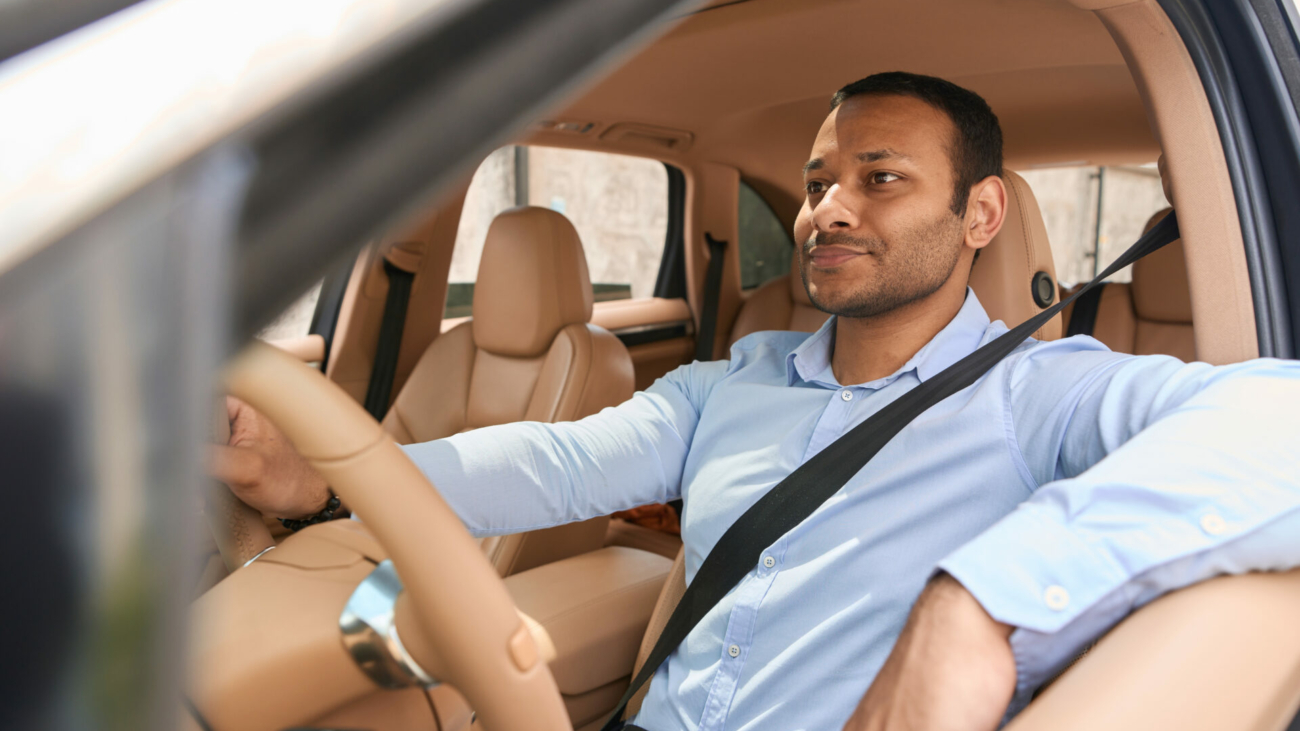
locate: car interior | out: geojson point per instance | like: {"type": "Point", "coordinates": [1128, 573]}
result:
{"type": "Point", "coordinates": [731, 96]}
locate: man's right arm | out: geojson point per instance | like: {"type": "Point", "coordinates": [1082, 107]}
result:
{"type": "Point", "coordinates": [529, 475]}
{"type": "Point", "coordinates": [507, 478]}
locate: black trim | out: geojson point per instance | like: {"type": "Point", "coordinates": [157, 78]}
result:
{"type": "Point", "coordinates": [384, 369]}
{"type": "Point", "coordinates": [671, 281]}
{"type": "Point", "coordinates": [378, 143]}
{"type": "Point", "coordinates": [1083, 318]}
{"type": "Point", "coordinates": [704, 340]}
{"type": "Point", "coordinates": [642, 336]}
{"type": "Point", "coordinates": [1199, 24]}
{"type": "Point", "coordinates": [325, 318]}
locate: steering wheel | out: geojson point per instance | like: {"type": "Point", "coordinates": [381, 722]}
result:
{"type": "Point", "coordinates": [455, 616]}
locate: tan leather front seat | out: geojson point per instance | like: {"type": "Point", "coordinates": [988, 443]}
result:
{"type": "Point", "coordinates": [528, 354]}
{"type": "Point", "coordinates": [1002, 278]}
{"type": "Point", "coordinates": [1153, 315]}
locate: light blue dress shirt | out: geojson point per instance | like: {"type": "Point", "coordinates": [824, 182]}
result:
{"type": "Point", "coordinates": [1065, 488]}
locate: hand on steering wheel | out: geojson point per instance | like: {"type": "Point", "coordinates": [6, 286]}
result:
{"type": "Point", "coordinates": [454, 617]}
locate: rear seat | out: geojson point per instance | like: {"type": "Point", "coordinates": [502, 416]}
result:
{"type": "Point", "coordinates": [1151, 316]}
{"type": "Point", "coordinates": [781, 304]}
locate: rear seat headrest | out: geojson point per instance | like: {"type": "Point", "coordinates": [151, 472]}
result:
{"type": "Point", "coordinates": [532, 282]}
{"type": "Point", "coordinates": [1160, 289]}
{"type": "Point", "coordinates": [1004, 276]}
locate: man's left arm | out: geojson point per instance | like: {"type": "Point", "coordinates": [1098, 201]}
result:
{"type": "Point", "coordinates": [1158, 475]}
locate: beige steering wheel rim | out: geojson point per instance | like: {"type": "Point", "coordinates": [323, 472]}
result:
{"type": "Point", "coordinates": [455, 616]}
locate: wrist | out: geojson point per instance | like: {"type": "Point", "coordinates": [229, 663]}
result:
{"type": "Point", "coordinates": [332, 509]}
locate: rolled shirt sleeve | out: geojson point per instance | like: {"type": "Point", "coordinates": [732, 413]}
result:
{"type": "Point", "coordinates": [529, 475]}
{"type": "Point", "coordinates": [1155, 475]}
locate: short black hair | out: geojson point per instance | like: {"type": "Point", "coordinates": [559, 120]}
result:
{"type": "Point", "coordinates": [976, 150]}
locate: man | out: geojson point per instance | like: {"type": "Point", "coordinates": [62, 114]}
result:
{"type": "Point", "coordinates": [1029, 512]}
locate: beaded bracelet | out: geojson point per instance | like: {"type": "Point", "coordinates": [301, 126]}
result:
{"type": "Point", "coordinates": [326, 514]}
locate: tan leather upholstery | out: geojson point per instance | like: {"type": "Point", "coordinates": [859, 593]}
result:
{"type": "Point", "coordinates": [532, 281]}
{"type": "Point", "coordinates": [1001, 277]}
{"type": "Point", "coordinates": [528, 354]}
{"type": "Point", "coordinates": [1153, 315]}
{"type": "Point", "coordinates": [781, 304]}
{"type": "Point", "coordinates": [590, 613]}
{"type": "Point", "coordinates": [673, 589]}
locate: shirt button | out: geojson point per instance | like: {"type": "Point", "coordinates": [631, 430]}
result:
{"type": "Point", "coordinates": [734, 650]}
{"type": "Point", "coordinates": [846, 394]}
{"type": "Point", "coordinates": [769, 562]}
{"type": "Point", "coordinates": [1213, 524]}
{"type": "Point", "coordinates": [1057, 597]}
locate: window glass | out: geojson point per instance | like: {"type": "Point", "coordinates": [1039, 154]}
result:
{"type": "Point", "coordinates": [765, 246]}
{"type": "Point", "coordinates": [294, 322]}
{"type": "Point", "coordinates": [618, 204]}
{"type": "Point", "coordinates": [1084, 243]}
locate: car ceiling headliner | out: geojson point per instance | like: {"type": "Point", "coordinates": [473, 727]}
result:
{"type": "Point", "coordinates": [750, 81]}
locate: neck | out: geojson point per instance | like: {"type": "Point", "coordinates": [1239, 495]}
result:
{"type": "Point", "coordinates": [869, 348]}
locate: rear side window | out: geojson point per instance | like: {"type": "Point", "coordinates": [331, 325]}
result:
{"type": "Point", "coordinates": [1093, 214]}
{"type": "Point", "coordinates": [765, 246]}
{"type": "Point", "coordinates": [618, 204]}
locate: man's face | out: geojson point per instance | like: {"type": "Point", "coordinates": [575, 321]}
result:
{"type": "Point", "coordinates": [876, 230]}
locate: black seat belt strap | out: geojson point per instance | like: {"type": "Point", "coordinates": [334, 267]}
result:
{"type": "Point", "coordinates": [390, 340]}
{"type": "Point", "coordinates": [712, 291]}
{"type": "Point", "coordinates": [793, 499]}
{"type": "Point", "coordinates": [1084, 316]}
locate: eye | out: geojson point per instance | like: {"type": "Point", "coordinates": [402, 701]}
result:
{"type": "Point", "coordinates": [814, 187]}
{"type": "Point", "coordinates": [880, 177]}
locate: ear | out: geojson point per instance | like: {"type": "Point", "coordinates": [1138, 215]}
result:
{"type": "Point", "coordinates": [986, 209]}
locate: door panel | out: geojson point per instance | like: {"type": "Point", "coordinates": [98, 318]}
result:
{"type": "Point", "coordinates": [659, 333]}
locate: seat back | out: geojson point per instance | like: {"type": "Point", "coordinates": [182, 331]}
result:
{"type": "Point", "coordinates": [528, 354]}
{"type": "Point", "coordinates": [1153, 314]}
{"type": "Point", "coordinates": [1003, 277]}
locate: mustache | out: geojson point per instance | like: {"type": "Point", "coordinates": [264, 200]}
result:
{"type": "Point", "coordinates": [857, 243]}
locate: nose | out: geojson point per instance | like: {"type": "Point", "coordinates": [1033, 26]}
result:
{"type": "Point", "coordinates": [834, 212]}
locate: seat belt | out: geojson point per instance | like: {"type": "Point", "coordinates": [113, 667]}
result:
{"type": "Point", "coordinates": [1084, 317]}
{"type": "Point", "coordinates": [390, 340]}
{"type": "Point", "coordinates": [712, 290]}
{"type": "Point", "coordinates": [793, 499]}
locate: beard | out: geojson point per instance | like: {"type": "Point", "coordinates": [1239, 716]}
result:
{"type": "Point", "coordinates": [913, 266]}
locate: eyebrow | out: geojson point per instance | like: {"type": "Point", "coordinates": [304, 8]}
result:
{"type": "Point", "coordinates": [869, 156]}
{"type": "Point", "coordinates": [881, 154]}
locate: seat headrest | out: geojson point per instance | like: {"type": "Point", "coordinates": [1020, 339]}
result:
{"type": "Point", "coordinates": [532, 282]}
{"type": "Point", "coordinates": [1160, 289]}
{"type": "Point", "coordinates": [1004, 275]}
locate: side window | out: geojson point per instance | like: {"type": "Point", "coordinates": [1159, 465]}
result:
{"type": "Point", "coordinates": [618, 204]}
{"type": "Point", "coordinates": [1094, 213]}
{"type": "Point", "coordinates": [765, 246]}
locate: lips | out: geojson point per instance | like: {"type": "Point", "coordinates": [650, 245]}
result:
{"type": "Point", "coordinates": [829, 257]}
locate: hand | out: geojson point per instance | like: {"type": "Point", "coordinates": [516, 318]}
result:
{"type": "Point", "coordinates": [263, 468]}
{"type": "Point", "coordinates": [951, 670]}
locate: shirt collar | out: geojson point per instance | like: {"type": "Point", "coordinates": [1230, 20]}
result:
{"type": "Point", "coordinates": [811, 361]}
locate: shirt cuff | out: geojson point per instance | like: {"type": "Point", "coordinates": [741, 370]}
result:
{"type": "Point", "coordinates": [1033, 572]}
